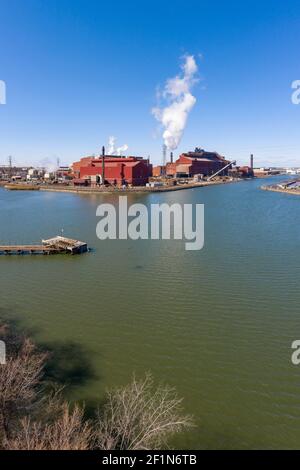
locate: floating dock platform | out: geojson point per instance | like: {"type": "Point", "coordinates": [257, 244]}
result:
{"type": "Point", "coordinates": [66, 245]}
{"type": "Point", "coordinates": [56, 245]}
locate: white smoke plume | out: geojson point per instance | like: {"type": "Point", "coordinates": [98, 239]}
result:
{"type": "Point", "coordinates": [113, 150]}
{"type": "Point", "coordinates": [180, 101]}
{"type": "Point", "coordinates": [121, 150]}
{"type": "Point", "coordinates": [111, 145]}
{"type": "Point", "coordinates": [49, 164]}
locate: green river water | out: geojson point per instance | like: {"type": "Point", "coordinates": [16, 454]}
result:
{"type": "Point", "coordinates": [217, 323]}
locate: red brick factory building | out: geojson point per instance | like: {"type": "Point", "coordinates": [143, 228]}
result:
{"type": "Point", "coordinates": [132, 171]}
{"type": "Point", "coordinates": [195, 163]}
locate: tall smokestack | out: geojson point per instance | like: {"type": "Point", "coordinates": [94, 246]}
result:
{"type": "Point", "coordinates": [164, 152]}
{"type": "Point", "coordinates": [103, 165]}
{"type": "Point", "coordinates": [251, 161]}
{"type": "Point", "coordinates": [171, 157]}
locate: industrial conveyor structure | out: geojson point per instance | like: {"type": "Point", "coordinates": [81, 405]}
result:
{"type": "Point", "coordinates": [222, 169]}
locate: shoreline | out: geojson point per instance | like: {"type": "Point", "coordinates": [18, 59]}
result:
{"type": "Point", "coordinates": [108, 190]}
{"type": "Point", "coordinates": [281, 190]}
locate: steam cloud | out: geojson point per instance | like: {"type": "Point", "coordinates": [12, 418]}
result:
{"type": "Point", "coordinates": [180, 101]}
{"type": "Point", "coordinates": [111, 145]}
{"type": "Point", "coordinates": [49, 164]}
{"type": "Point", "coordinates": [113, 150]}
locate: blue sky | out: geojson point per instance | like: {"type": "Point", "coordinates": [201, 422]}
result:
{"type": "Point", "coordinates": [79, 71]}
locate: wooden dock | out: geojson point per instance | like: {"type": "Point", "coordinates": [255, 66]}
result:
{"type": "Point", "coordinates": [26, 249]}
{"type": "Point", "coordinates": [56, 245]}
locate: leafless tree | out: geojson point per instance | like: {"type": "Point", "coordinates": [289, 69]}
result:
{"type": "Point", "coordinates": [19, 380]}
{"type": "Point", "coordinates": [139, 417]}
{"type": "Point", "coordinates": [68, 431]}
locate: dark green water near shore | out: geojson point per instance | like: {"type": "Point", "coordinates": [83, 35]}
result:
{"type": "Point", "coordinates": [217, 324]}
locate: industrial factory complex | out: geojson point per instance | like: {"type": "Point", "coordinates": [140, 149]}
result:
{"type": "Point", "coordinates": [112, 172]}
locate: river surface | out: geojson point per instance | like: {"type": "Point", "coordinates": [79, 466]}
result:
{"type": "Point", "coordinates": [217, 324]}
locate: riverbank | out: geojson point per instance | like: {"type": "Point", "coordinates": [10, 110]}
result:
{"type": "Point", "coordinates": [277, 189]}
{"type": "Point", "coordinates": [21, 187]}
{"type": "Point", "coordinates": [100, 190]}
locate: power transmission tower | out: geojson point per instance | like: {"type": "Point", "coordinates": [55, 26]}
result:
{"type": "Point", "coordinates": [10, 165]}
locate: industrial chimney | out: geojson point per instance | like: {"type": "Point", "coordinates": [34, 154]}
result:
{"type": "Point", "coordinates": [164, 161]}
{"type": "Point", "coordinates": [171, 157]}
{"type": "Point", "coordinates": [251, 161]}
{"type": "Point", "coordinates": [103, 165]}
{"type": "Point", "coordinates": [164, 154]}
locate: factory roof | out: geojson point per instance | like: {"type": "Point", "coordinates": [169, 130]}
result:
{"type": "Point", "coordinates": [203, 155]}
{"type": "Point", "coordinates": [195, 159]}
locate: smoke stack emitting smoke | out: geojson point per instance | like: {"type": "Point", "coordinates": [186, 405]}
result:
{"type": "Point", "coordinates": [177, 92]}
{"type": "Point", "coordinates": [112, 150]}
